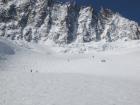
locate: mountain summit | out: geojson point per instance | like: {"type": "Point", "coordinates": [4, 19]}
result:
{"type": "Point", "coordinates": [62, 23]}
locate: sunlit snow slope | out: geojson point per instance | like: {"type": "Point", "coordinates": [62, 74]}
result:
{"type": "Point", "coordinates": [33, 74]}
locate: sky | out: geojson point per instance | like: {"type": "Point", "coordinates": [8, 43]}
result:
{"type": "Point", "coordinates": [127, 8]}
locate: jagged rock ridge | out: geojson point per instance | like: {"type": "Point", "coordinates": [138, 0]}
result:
{"type": "Point", "coordinates": [62, 23]}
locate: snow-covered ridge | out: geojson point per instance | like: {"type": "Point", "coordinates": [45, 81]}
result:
{"type": "Point", "coordinates": [45, 21]}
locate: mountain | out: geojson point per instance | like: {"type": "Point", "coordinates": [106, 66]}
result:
{"type": "Point", "coordinates": [42, 21]}
{"type": "Point", "coordinates": [75, 55]}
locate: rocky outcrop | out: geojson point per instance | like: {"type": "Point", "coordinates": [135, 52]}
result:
{"type": "Point", "coordinates": [86, 31]}
{"type": "Point", "coordinates": [62, 23]}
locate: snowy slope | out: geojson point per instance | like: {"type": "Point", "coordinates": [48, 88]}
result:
{"type": "Point", "coordinates": [121, 61]}
{"type": "Point", "coordinates": [62, 89]}
{"type": "Point", "coordinates": [37, 74]}
{"type": "Point", "coordinates": [6, 49]}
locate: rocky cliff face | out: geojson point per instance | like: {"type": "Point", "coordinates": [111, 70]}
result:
{"type": "Point", "coordinates": [62, 23]}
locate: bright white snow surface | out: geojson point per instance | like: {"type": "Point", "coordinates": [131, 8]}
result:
{"type": "Point", "coordinates": [80, 74]}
